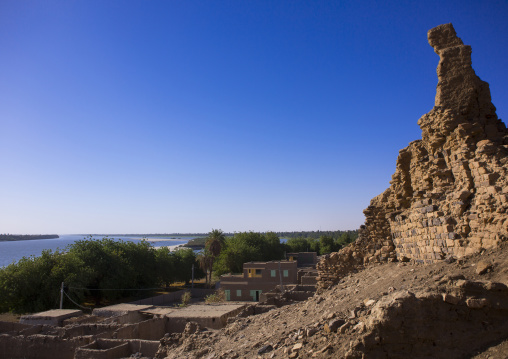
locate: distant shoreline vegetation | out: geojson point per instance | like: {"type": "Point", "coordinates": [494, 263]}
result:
{"type": "Point", "coordinates": [26, 237]}
{"type": "Point", "coordinates": [148, 235]}
{"type": "Point", "coordinates": [341, 237]}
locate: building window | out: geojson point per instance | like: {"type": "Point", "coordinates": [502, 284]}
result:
{"type": "Point", "coordinates": [228, 294]}
{"type": "Point", "coordinates": [285, 273]}
{"type": "Point", "coordinates": [254, 273]}
{"type": "Point", "coordinates": [273, 272]}
{"type": "Point", "coordinates": [238, 292]}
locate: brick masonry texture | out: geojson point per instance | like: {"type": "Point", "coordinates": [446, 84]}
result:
{"type": "Point", "coordinates": [448, 197]}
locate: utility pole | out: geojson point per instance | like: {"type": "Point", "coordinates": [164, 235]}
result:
{"type": "Point", "coordinates": [280, 277]}
{"type": "Point", "coordinates": [192, 285]}
{"type": "Point", "coordinates": [61, 295]}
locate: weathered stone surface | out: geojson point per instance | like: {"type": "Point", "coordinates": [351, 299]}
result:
{"type": "Point", "coordinates": [297, 346]}
{"type": "Point", "coordinates": [451, 299]}
{"type": "Point", "coordinates": [333, 325]}
{"type": "Point", "coordinates": [448, 196]}
{"type": "Point", "coordinates": [483, 267]}
{"type": "Point", "coordinates": [477, 303]}
{"type": "Point", "coordinates": [265, 349]}
{"type": "Point", "coordinates": [344, 327]}
{"type": "Point", "coordinates": [310, 332]}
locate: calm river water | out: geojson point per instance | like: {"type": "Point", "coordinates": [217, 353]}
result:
{"type": "Point", "coordinates": [15, 250]}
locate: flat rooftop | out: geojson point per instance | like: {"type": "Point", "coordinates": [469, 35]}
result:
{"type": "Point", "coordinates": [158, 310]}
{"type": "Point", "coordinates": [119, 309]}
{"type": "Point", "coordinates": [50, 317]}
{"type": "Point", "coordinates": [56, 313]}
{"type": "Point", "coordinates": [232, 275]}
{"type": "Point", "coordinates": [205, 310]}
{"type": "Point", "coordinates": [281, 262]}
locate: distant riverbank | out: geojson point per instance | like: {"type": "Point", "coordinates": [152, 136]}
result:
{"type": "Point", "coordinates": [26, 237]}
{"type": "Point", "coordinates": [196, 243]}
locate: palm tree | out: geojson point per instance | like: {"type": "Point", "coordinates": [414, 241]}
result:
{"type": "Point", "coordinates": [205, 263]}
{"type": "Point", "coordinates": [213, 247]}
{"type": "Point", "coordinates": [215, 241]}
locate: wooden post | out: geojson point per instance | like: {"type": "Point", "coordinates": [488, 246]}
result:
{"type": "Point", "coordinates": [61, 295]}
{"type": "Point", "coordinates": [192, 285]}
{"type": "Point", "coordinates": [280, 276]}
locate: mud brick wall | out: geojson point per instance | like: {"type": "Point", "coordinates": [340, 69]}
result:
{"type": "Point", "coordinates": [40, 346]}
{"type": "Point", "coordinates": [448, 197]}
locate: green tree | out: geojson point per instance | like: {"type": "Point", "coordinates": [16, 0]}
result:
{"type": "Point", "coordinates": [184, 259]}
{"type": "Point", "coordinates": [245, 247]}
{"type": "Point", "coordinates": [215, 242]}
{"type": "Point", "coordinates": [326, 244]}
{"type": "Point", "coordinates": [235, 253]}
{"type": "Point", "coordinates": [103, 265]}
{"type": "Point", "coordinates": [298, 244]}
{"type": "Point", "coordinates": [274, 248]}
{"type": "Point", "coordinates": [110, 264]}
{"type": "Point", "coordinates": [344, 239]}
{"type": "Point", "coordinates": [205, 260]}
{"type": "Point", "coordinates": [140, 257]}
{"type": "Point", "coordinates": [166, 268]}
{"type": "Point", "coordinates": [33, 283]}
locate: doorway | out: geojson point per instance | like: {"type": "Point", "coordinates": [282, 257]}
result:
{"type": "Point", "coordinates": [255, 295]}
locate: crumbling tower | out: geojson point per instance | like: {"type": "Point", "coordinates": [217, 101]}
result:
{"type": "Point", "coordinates": [448, 196]}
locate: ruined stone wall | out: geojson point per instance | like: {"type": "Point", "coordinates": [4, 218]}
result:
{"type": "Point", "coordinates": [454, 324]}
{"type": "Point", "coordinates": [151, 329]}
{"type": "Point", "coordinates": [39, 346]}
{"type": "Point", "coordinates": [42, 341]}
{"type": "Point", "coordinates": [448, 196]}
{"type": "Point", "coordinates": [12, 328]}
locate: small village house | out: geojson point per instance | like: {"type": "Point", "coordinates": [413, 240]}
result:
{"type": "Point", "coordinates": [303, 259]}
{"type": "Point", "coordinates": [258, 277]}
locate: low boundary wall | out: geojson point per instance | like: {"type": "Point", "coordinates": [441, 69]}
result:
{"type": "Point", "coordinates": [170, 298]}
{"type": "Point", "coordinates": [112, 349]}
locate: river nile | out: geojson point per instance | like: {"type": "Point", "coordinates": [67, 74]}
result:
{"type": "Point", "coordinates": [13, 251]}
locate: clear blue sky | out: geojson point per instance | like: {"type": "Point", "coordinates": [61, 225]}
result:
{"type": "Point", "coordinates": [183, 116]}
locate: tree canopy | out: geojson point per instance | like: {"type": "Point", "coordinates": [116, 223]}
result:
{"type": "Point", "coordinates": [103, 269]}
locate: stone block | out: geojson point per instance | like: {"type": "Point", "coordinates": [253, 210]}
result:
{"type": "Point", "coordinates": [483, 267]}
{"type": "Point", "coordinates": [333, 325]}
{"type": "Point", "coordinates": [297, 347]}
{"type": "Point", "coordinates": [451, 299]}
{"type": "Point", "coordinates": [474, 303]}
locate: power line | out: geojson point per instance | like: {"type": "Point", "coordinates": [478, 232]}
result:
{"type": "Point", "coordinates": [75, 302]}
{"type": "Point", "coordinates": [78, 288]}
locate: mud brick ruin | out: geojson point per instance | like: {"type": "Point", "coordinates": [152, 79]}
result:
{"type": "Point", "coordinates": [448, 196]}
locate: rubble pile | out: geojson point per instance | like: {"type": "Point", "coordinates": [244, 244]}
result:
{"type": "Point", "coordinates": [457, 323]}
{"type": "Point", "coordinates": [387, 310]}
{"type": "Point", "coordinates": [448, 196]}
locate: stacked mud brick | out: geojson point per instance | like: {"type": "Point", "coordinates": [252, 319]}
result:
{"type": "Point", "coordinates": [448, 196]}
